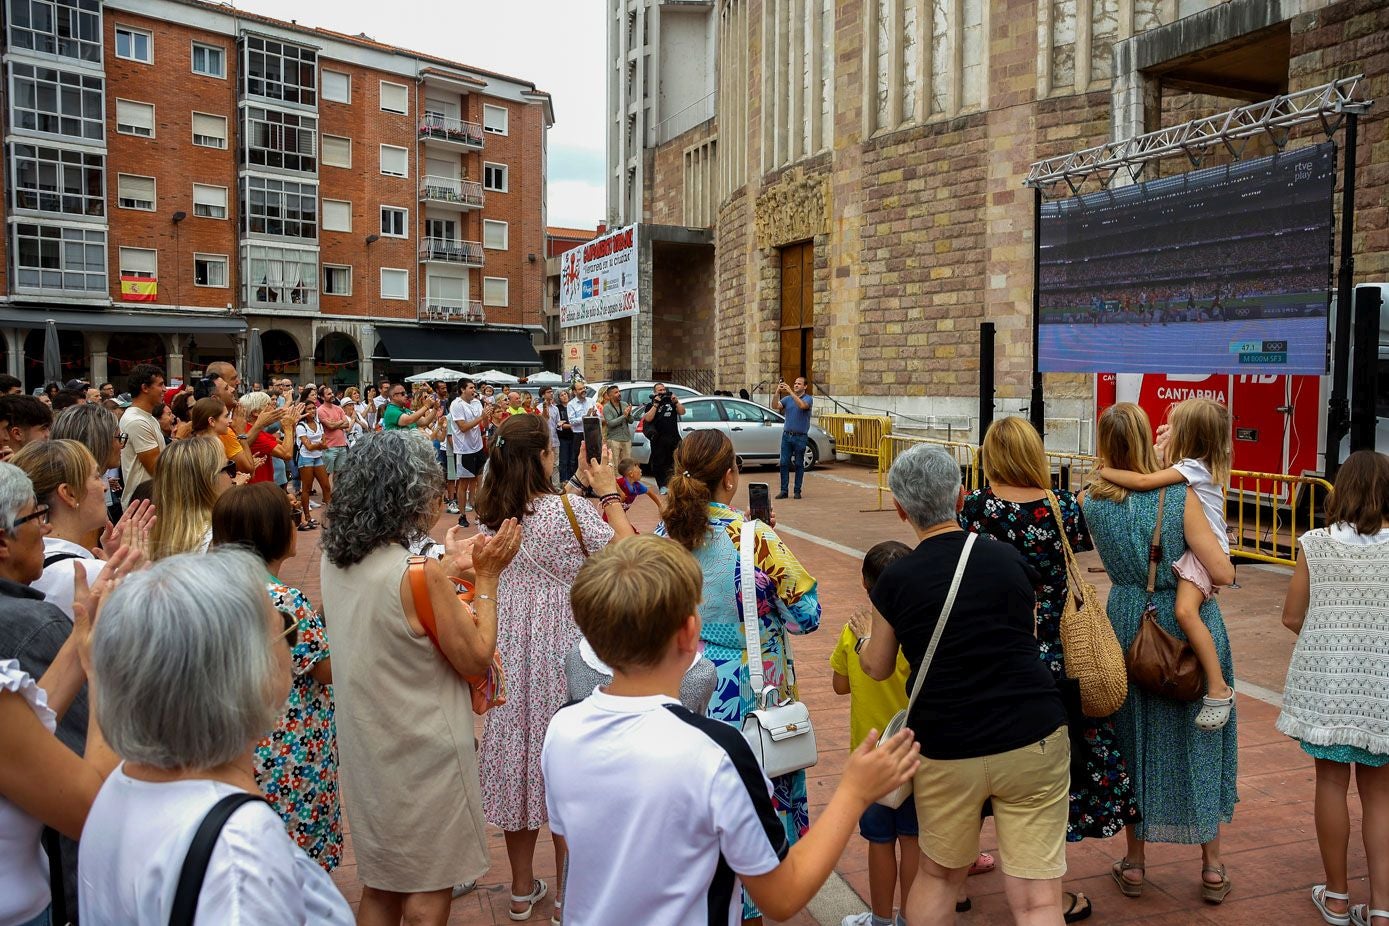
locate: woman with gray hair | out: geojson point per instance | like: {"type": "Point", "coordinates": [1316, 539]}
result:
{"type": "Point", "coordinates": [989, 717]}
{"type": "Point", "coordinates": [97, 429]}
{"type": "Point", "coordinates": [404, 711]}
{"type": "Point", "coordinates": [184, 717]}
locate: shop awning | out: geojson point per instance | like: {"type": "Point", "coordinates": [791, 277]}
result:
{"type": "Point", "coordinates": [455, 346]}
{"type": "Point", "coordinates": [36, 316]}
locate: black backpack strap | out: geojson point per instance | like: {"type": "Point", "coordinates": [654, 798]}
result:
{"type": "Point", "coordinates": [52, 558]}
{"type": "Point", "coordinates": [49, 839]}
{"type": "Point", "coordinates": [190, 878]}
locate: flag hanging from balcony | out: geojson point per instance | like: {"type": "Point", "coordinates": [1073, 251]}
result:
{"type": "Point", "coordinates": [139, 289]}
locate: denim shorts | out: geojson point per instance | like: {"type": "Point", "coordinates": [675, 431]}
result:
{"type": "Point", "coordinates": [883, 824]}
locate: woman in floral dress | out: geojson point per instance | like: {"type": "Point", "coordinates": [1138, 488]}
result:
{"type": "Point", "coordinates": [1014, 508]}
{"type": "Point", "coordinates": [698, 516]}
{"type": "Point", "coordinates": [296, 765]}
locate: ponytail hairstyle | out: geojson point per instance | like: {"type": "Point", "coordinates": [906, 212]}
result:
{"type": "Point", "coordinates": [700, 464]}
{"type": "Point", "coordinates": [515, 471]}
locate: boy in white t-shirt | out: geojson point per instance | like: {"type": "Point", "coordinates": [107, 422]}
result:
{"type": "Point", "coordinates": [665, 812]}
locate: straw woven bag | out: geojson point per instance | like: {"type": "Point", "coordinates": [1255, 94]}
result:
{"type": "Point", "coordinates": [1093, 655]}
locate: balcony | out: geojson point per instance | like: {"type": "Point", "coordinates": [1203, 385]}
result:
{"type": "Point", "coordinates": [447, 192]}
{"type": "Point", "coordinates": [449, 251]}
{"type": "Point", "coordinates": [270, 295]}
{"type": "Point", "coordinates": [448, 132]}
{"type": "Point", "coordinates": [444, 309]}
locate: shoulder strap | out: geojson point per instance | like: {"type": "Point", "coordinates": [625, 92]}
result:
{"type": "Point", "coordinates": [574, 522]}
{"type": "Point", "coordinates": [1155, 548]}
{"type": "Point", "coordinates": [1072, 567]}
{"type": "Point", "coordinates": [419, 593]}
{"type": "Point", "coordinates": [190, 878]}
{"type": "Point", "coordinates": [940, 622]}
{"type": "Point", "coordinates": [747, 588]}
{"type": "Point", "coordinates": [52, 558]}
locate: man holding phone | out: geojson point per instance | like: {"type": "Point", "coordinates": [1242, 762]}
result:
{"type": "Point", "coordinates": [794, 404]}
{"type": "Point", "coordinates": [661, 424]}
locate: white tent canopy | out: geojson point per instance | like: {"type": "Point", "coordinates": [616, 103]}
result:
{"type": "Point", "coordinates": [545, 376]}
{"type": "Point", "coordinates": [437, 375]}
{"type": "Point", "coordinates": [495, 377]}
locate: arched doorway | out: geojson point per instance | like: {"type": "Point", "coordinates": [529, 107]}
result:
{"type": "Point", "coordinates": [72, 348]}
{"type": "Point", "coordinates": [127, 349]}
{"type": "Point", "coordinates": [281, 353]}
{"type": "Point", "coordinates": [336, 360]}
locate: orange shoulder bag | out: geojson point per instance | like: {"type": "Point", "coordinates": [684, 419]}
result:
{"type": "Point", "coordinates": [489, 689]}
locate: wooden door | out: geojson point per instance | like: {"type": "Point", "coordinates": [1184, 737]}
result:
{"type": "Point", "coordinates": [797, 311]}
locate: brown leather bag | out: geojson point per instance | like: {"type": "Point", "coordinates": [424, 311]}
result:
{"type": "Point", "coordinates": [1158, 662]}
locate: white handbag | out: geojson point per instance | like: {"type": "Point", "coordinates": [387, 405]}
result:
{"type": "Point", "coordinates": [778, 731]}
{"type": "Point", "coordinates": [896, 797]}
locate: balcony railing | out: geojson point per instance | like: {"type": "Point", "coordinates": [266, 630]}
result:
{"type": "Point", "coordinates": [447, 250]}
{"type": "Point", "coordinates": [444, 309]}
{"type": "Point", "coordinates": [437, 127]}
{"type": "Point", "coordinates": [465, 193]}
{"type": "Point", "coordinates": [273, 295]}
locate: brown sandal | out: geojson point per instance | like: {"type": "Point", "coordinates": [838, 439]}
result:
{"type": "Point", "coordinates": [1126, 887]}
{"type": "Point", "coordinates": [1215, 892]}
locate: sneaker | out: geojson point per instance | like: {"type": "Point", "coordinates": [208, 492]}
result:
{"type": "Point", "coordinates": [463, 520]}
{"type": "Point", "coordinates": [451, 507]}
{"type": "Point", "coordinates": [663, 490]}
{"type": "Point", "coordinates": [468, 507]}
{"type": "Point", "coordinates": [780, 495]}
{"type": "Point", "coordinates": [858, 919]}
{"type": "Point", "coordinates": [467, 887]}
{"type": "Point", "coordinates": [798, 495]}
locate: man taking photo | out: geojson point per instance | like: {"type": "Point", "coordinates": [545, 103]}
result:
{"type": "Point", "coordinates": [661, 424]}
{"type": "Point", "coordinates": [794, 404]}
{"type": "Point", "coordinates": [397, 415]}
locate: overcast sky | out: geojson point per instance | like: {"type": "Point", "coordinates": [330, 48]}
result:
{"type": "Point", "coordinates": [556, 44]}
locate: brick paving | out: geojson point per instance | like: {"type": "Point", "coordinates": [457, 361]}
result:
{"type": "Point", "coordinates": [1270, 848]}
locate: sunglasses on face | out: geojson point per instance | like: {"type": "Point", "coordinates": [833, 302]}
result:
{"type": "Point", "coordinates": [122, 438]}
{"type": "Point", "coordinates": [229, 470]}
{"type": "Point", "coordinates": [291, 632]}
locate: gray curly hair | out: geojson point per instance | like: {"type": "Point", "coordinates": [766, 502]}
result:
{"type": "Point", "coordinates": [387, 493]}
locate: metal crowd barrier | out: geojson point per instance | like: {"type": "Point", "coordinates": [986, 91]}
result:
{"type": "Point", "coordinates": [1267, 512]}
{"type": "Point", "coordinates": [856, 435]}
{"type": "Point", "coordinates": [893, 446]}
{"type": "Point", "coordinates": [1070, 471]}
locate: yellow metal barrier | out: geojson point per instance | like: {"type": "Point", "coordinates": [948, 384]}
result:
{"type": "Point", "coordinates": [856, 435]}
{"type": "Point", "coordinates": [1267, 512]}
{"type": "Point", "coordinates": [1070, 470]}
{"type": "Point", "coordinates": [893, 446]}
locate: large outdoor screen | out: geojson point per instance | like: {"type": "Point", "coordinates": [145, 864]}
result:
{"type": "Point", "coordinates": [1221, 270]}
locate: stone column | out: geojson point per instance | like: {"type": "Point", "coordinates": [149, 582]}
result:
{"type": "Point", "coordinates": [306, 371]}
{"type": "Point", "coordinates": [98, 368]}
{"type": "Point", "coordinates": [14, 337]}
{"type": "Point", "coordinates": [175, 361]}
{"type": "Point", "coordinates": [642, 322]}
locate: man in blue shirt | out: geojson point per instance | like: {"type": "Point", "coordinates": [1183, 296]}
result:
{"type": "Point", "coordinates": [794, 404]}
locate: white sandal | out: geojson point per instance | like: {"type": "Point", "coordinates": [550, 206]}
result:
{"type": "Point", "coordinates": [530, 900]}
{"type": "Point", "coordinates": [1320, 895]}
{"type": "Point", "coordinates": [1362, 915]}
{"type": "Point", "coordinates": [1214, 712]}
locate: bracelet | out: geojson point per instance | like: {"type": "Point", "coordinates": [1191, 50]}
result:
{"type": "Point", "coordinates": [607, 500]}
{"type": "Point", "coordinates": [574, 481]}
{"type": "Point", "coordinates": [482, 597]}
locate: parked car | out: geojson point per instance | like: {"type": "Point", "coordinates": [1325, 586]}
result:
{"type": "Point", "coordinates": [754, 430]}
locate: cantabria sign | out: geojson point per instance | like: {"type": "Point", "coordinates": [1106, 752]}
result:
{"type": "Point", "coordinates": [598, 280]}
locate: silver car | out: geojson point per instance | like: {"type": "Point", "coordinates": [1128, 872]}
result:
{"type": "Point", "coordinates": [754, 430]}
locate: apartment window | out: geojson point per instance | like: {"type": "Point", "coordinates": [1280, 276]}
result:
{"type": "Point", "coordinates": [495, 291]}
{"type": "Point", "coordinates": [135, 118]}
{"type": "Point", "coordinates": [139, 262]}
{"type": "Point", "coordinates": [336, 151]}
{"type": "Point", "coordinates": [209, 60]}
{"type": "Point", "coordinates": [49, 100]}
{"type": "Point", "coordinates": [494, 119]}
{"type": "Point", "coordinates": [280, 71]}
{"type": "Point", "coordinates": [210, 270]}
{"type": "Point", "coordinates": [57, 27]}
{"type": "Point", "coordinates": [134, 44]}
{"type": "Point", "coordinates": [210, 202]}
{"type": "Point", "coordinates": [209, 131]}
{"type": "Point", "coordinates": [337, 215]}
{"type": "Point", "coordinates": [395, 162]}
{"type": "Point", "coordinates": [337, 280]}
{"type": "Point", "coordinates": [494, 177]}
{"type": "Point", "coordinates": [394, 221]}
{"type": "Point", "coordinates": [279, 139]}
{"type": "Point", "coordinates": [279, 276]}
{"type": "Point", "coordinates": [395, 284]}
{"type": "Point", "coordinates": [59, 180]}
{"type": "Point", "coordinates": [495, 234]}
{"type": "Point", "coordinates": [50, 257]}
{"type": "Point", "coordinates": [280, 207]}
{"type": "Point", "coordinates": [134, 192]}
{"type": "Point", "coordinates": [337, 87]}
{"type": "Point", "coordinates": [395, 98]}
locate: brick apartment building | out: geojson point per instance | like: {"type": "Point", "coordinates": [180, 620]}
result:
{"type": "Point", "coordinates": [182, 177]}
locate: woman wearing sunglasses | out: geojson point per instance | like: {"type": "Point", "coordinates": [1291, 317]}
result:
{"type": "Point", "coordinates": [191, 475]}
{"type": "Point", "coordinates": [297, 763]}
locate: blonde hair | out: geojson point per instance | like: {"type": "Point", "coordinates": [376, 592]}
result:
{"type": "Point", "coordinates": [1201, 431]}
{"type": "Point", "coordinates": [1125, 441]}
{"type": "Point", "coordinates": [53, 463]}
{"type": "Point", "coordinates": [185, 489]}
{"type": "Point", "coordinates": [253, 402]}
{"type": "Point", "coordinates": [1014, 455]}
{"type": "Point", "coordinates": [631, 597]}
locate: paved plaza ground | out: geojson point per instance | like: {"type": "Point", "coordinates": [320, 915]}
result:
{"type": "Point", "coordinates": [1270, 848]}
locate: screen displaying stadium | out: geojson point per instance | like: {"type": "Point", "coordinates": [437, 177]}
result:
{"type": "Point", "coordinates": [1220, 270]}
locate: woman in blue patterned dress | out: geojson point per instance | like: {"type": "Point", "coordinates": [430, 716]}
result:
{"type": "Point", "coordinates": [296, 764]}
{"type": "Point", "coordinates": [698, 516]}
{"type": "Point", "coordinates": [1184, 778]}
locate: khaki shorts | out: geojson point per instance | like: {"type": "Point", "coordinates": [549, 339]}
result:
{"type": "Point", "coordinates": [1030, 788]}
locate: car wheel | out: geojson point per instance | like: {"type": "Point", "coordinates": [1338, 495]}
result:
{"type": "Point", "coordinates": [739, 462]}
{"type": "Point", "coordinates": [812, 455]}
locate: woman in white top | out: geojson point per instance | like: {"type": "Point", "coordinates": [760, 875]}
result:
{"type": "Point", "coordinates": [1336, 697]}
{"type": "Point", "coordinates": [184, 718]}
{"type": "Point", "coordinates": [309, 434]}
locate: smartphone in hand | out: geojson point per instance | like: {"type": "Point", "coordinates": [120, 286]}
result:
{"type": "Point", "coordinates": [759, 502]}
{"type": "Point", "coordinates": [593, 439]}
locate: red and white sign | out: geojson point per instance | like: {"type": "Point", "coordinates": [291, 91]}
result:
{"type": "Point", "coordinates": [598, 280]}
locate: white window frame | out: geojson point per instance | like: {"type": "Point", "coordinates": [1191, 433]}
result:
{"type": "Point", "coordinates": [322, 91]}
{"type": "Point", "coordinates": [193, 133]}
{"type": "Point", "coordinates": [285, 87]}
{"type": "Point", "coordinates": [506, 290]}
{"type": "Point", "coordinates": [120, 263]}
{"type": "Point", "coordinates": [213, 258]}
{"type": "Point", "coordinates": [277, 192]}
{"type": "Point", "coordinates": [154, 118]}
{"type": "Point", "coordinates": [405, 296]}
{"type": "Point", "coordinates": [302, 261]}
{"type": "Point", "coordinates": [506, 177]}
{"type": "Point", "coordinates": [276, 127]}
{"type": "Point", "coordinates": [69, 164]}
{"type": "Point", "coordinates": [323, 288]}
{"type": "Point", "coordinates": [93, 130]}
{"type": "Point", "coordinates": [61, 240]}
{"type": "Point", "coordinates": [506, 234]}
{"type": "Point", "coordinates": [405, 91]}
{"type": "Point", "coordinates": [210, 186]}
{"type": "Point", "coordinates": [323, 148]}
{"type": "Point", "coordinates": [404, 223]}
{"type": "Point", "coordinates": [506, 119]}
{"type": "Point", "coordinates": [154, 192]}
{"type": "Point", "coordinates": [133, 31]}
{"type": "Point", "coordinates": [323, 214]}
{"type": "Point", "coordinates": [73, 46]}
{"type": "Point", "coordinates": [192, 58]}
{"type": "Point", "coordinates": [405, 153]}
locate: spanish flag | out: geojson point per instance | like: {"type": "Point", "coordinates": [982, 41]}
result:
{"type": "Point", "coordinates": [139, 289]}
